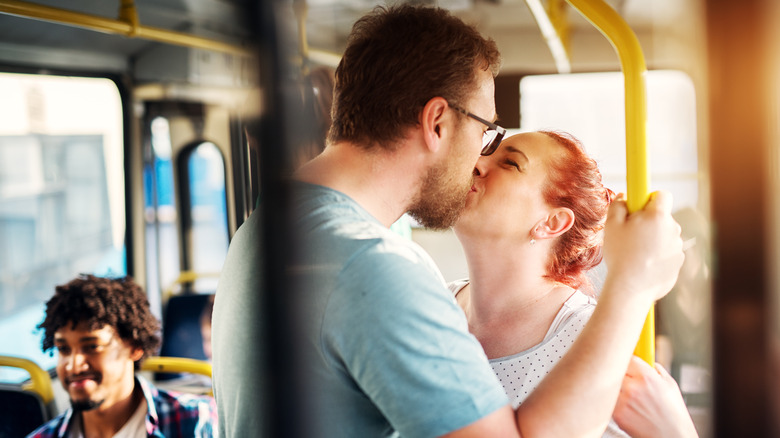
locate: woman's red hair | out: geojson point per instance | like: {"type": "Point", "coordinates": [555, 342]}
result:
{"type": "Point", "coordinates": [574, 182]}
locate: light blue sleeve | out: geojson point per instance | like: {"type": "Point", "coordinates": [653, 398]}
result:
{"type": "Point", "coordinates": [407, 346]}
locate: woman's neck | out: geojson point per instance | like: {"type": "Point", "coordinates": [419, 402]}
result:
{"type": "Point", "coordinates": [509, 303]}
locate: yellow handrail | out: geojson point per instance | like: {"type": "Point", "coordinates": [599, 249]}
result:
{"type": "Point", "coordinates": [162, 364]}
{"type": "Point", "coordinates": [126, 25]}
{"type": "Point", "coordinates": [301, 10]}
{"type": "Point", "coordinates": [40, 382]}
{"type": "Point", "coordinates": [186, 277]}
{"type": "Point", "coordinates": [632, 61]}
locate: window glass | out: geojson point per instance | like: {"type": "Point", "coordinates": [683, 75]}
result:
{"type": "Point", "coordinates": [209, 232]}
{"type": "Point", "coordinates": [590, 106]}
{"type": "Point", "coordinates": [160, 215]}
{"type": "Point", "coordinates": [62, 209]}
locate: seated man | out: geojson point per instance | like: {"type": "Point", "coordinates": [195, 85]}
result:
{"type": "Point", "coordinates": [102, 328]}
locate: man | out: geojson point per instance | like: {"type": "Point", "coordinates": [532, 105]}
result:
{"type": "Point", "coordinates": [386, 347]}
{"type": "Point", "coordinates": [102, 329]}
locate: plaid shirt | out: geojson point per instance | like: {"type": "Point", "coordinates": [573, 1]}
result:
{"type": "Point", "coordinates": [169, 415]}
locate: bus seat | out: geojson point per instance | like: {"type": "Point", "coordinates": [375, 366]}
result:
{"type": "Point", "coordinates": [28, 405]}
{"type": "Point", "coordinates": [182, 335]}
{"type": "Point", "coordinates": [181, 326]}
{"type": "Point", "coordinates": [168, 365]}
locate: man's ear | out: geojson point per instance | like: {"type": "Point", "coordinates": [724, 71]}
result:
{"type": "Point", "coordinates": [431, 121]}
{"type": "Point", "coordinates": [136, 354]}
{"type": "Point", "coordinates": [559, 221]}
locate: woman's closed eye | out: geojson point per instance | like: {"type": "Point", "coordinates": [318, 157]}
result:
{"type": "Point", "coordinates": [513, 163]}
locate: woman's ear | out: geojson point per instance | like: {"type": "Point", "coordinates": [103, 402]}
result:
{"type": "Point", "coordinates": [558, 222]}
{"type": "Point", "coordinates": [431, 122]}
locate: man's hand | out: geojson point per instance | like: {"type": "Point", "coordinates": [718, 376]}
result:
{"type": "Point", "coordinates": [651, 405]}
{"type": "Point", "coordinates": [643, 250]}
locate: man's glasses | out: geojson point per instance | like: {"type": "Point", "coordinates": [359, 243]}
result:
{"type": "Point", "coordinates": [490, 138]}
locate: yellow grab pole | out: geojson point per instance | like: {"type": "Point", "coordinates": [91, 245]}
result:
{"type": "Point", "coordinates": [632, 61]}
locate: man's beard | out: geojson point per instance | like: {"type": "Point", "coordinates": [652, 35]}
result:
{"type": "Point", "coordinates": [88, 404]}
{"type": "Point", "coordinates": [441, 198]}
{"type": "Point", "coordinates": [85, 405]}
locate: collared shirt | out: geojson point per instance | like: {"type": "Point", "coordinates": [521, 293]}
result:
{"type": "Point", "coordinates": [169, 415]}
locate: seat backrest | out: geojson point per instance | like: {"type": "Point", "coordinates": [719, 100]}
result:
{"type": "Point", "coordinates": [26, 406]}
{"type": "Point", "coordinates": [21, 412]}
{"type": "Point", "coordinates": [181, 326]}
{"type": "Point", "coordinates": [182, 335]}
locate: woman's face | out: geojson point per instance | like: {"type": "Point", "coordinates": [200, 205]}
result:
{"type": "Point", "coordinates": [506, 198]}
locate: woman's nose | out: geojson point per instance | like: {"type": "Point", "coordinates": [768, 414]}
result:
{"type": "Point", "coordinates": [480, 169]}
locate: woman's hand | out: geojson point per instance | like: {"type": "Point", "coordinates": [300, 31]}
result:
{"type": "Point", "coordinates": [643, 250]}
{"type": "Point", "coordinates": [650, 404]}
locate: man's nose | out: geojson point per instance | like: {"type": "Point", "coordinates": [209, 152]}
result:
{"type": "Point", "coordinates": [75, 362]}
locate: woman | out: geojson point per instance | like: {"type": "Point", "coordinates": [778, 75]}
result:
{"type": "Point", "coordinates": [531, 229]}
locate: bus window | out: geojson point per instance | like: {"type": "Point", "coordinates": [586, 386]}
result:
{"type": "Point", "coordinates": [162, 241]}
{"type": "Point", "coordinates": [62, 209]}
{"type": "Point", "coordinates": [208, 226]}
{"type": "Point", "coordinates": [590, 106]}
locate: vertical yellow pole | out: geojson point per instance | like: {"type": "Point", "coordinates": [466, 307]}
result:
{"type": "Point", "coordinates": [632, 61]}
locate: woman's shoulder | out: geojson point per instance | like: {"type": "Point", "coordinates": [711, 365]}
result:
{"type": "Point", "coordinates": [579, 301]}
{"type": "Point", "coordinates": [576, 311]}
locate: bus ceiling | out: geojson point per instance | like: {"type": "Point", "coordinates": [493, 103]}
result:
{"type": "Point", "coordinates": [94, 35]}
{"type": "Point", "coordinates": [116, 37]}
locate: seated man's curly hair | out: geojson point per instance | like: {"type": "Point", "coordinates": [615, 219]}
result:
{"type": "Point", "coordinates": [98, 301]}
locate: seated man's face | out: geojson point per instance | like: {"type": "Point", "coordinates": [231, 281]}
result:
{"type": "Point", "coordinates": [94, 366]}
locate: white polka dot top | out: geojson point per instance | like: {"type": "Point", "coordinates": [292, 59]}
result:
{"type": "Point", "coordinates": [521, 373]}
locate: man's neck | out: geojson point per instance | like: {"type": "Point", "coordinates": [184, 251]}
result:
{"type": "Point", "coordinates": [382, 182]}
{"type": "Point", "coordinates": [105, 421]}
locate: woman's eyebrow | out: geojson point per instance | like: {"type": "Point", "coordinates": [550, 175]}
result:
{"type": "Point", "coordinates": [514, 150]}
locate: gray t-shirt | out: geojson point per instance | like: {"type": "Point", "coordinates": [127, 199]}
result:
{"type": "Point", "coordinates": [236, 334]}
{"type": "Point", "coordinates": [387, 347]}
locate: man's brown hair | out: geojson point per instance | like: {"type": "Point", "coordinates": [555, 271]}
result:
{"type": "Point", "coordinates": [396, 60]}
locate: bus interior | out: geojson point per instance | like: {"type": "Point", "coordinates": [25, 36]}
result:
{"type": "Point", "coordinates": [124, 150]}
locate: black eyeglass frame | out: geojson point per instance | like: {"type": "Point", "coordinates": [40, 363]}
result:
{"type": "Point", "coordinates": [500, 131]}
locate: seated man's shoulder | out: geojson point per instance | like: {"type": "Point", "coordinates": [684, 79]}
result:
{"type": "Point", "coordinates": [184, 401]}
{"type": "Point", "coordinates": [49, 429]}
{"type": "Point", "coordinates": [191, 414]}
